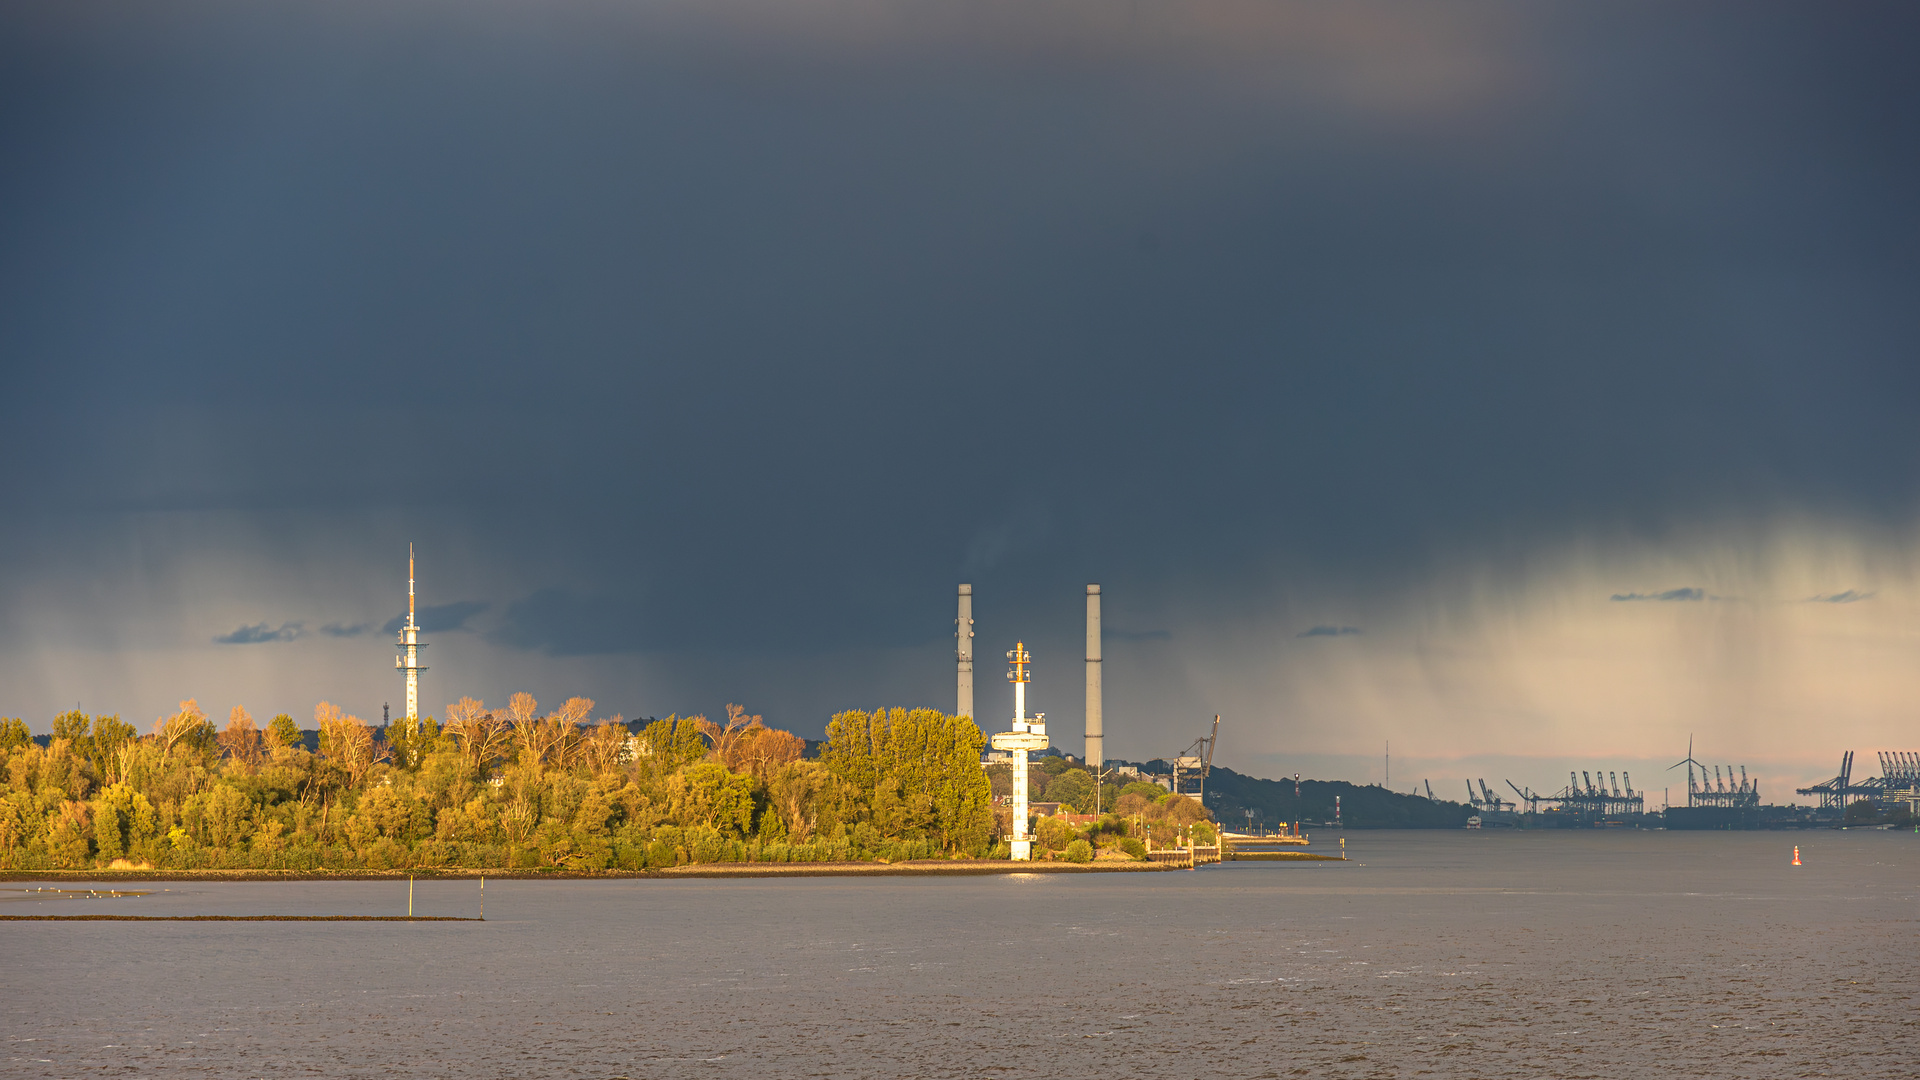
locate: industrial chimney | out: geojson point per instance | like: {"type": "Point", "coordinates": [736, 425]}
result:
{"type": "Point", "coordinates": [963, 634]}
{"type": "Point", "coordinates": [1096, 752]}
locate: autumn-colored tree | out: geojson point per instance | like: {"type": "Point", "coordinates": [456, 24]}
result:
{"type": "Point", "coordinates": [185, 731]}
{"type": "Point", "coordinates": [346, 741]}
{"type": "Point", "coordinates": [605, 747]}
{"type": "Point", "coordinates": [482, 735]}
{"type": "Point", "coordinates": [1181, 810]}
{"type": "Point", "coordinates": [241, 740]}
{"type": "Point", "coordinates": [113, 746]}
{"type": "Point", "coordinates": [757, 749]}
{"type": "Point", "coordinates": [721, 738]}
{"type": "Point", "coordinates": [547, 740]}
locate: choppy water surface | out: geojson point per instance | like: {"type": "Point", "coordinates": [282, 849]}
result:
{"type": "Point", "coordinates": [1458, 954]}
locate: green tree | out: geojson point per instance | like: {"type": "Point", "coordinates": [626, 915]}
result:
{"type": "Point", "coordinates": [666, 746]}
{"type": "Point", "coordinates": [283, 731]}
{"type": "Point", "coordinates": [707, 794]}
{"type": "Point", "coordinates": [14, 735]}
{"type": "Point", "coordinates": [123, 820]}
{"type": "Point", "coordinates": [922, 770]}
{"type": "Point", "coordinates": [1074, 787]}
{"type": "Point", "coordinates": [1080, 851]}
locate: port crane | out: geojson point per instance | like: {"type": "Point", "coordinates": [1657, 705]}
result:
{"type": "Point", "coordinates": [1197, 762]}
{"type": "Point", "coordinates": [1528, 796]}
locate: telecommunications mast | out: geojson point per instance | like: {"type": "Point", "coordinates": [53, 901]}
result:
{"type": "Point", "coordinates": [409, 661]}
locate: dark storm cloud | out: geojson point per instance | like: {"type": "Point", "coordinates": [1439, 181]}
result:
{"type": "Point", "coordinates": [260, 634]}
{"type": "Point", "coordinates": [1113, 634]}
{"type": "Point", "coordinates": [434, 618]}
{"type": "Point", "coordinates": [1329, 631]}
{"type": "Point", "coordinates": [1851, 596]}
{"type": "Point", "coordinates": [343, 630]}
{"type": "Point", "coordinates": [718, 327]}
{"type": "Point", "coordinates": [560, 623]}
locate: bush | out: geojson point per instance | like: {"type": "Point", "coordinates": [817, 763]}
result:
{"type": "Point", "coordinates": [1080, 851]}
{"type": "Point", "coordinates": [1203, 834]}
{"type": "Point", "coordinates": [1054, 834]}
{"type": "Point", "coordinates": [1133, 847]}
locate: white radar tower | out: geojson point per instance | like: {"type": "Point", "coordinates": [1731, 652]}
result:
{"type": "Point", "coordinates": [1027, 736]}
{"type": "Point", "coordinates": [409, 661]}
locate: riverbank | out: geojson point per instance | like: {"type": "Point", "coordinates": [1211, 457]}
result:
{"type": "Point", "coordinates": [913, 868]}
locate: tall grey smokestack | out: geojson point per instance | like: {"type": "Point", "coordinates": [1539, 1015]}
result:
{"type": "Point", "coordinates": [1096, 751]}
{"type": "Point", "coordinates": [963, 634]}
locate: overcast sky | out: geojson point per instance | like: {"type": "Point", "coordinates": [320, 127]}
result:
{"type": "Point", "coordinates": [1529, 385]}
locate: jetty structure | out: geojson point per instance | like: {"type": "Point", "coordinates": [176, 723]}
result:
{"type": "Point", "coordinates": [1026, 736]}
{"type": "Point", "coordinates": [409, 659]}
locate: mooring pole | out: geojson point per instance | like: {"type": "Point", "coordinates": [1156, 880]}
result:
{"type": "Point", "coordinates": [409, 896]}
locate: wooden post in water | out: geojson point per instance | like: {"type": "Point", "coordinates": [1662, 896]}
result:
{"type": "Point", "coordinates": [409, 896]}
{"type": "Point", "coordinates": [483, 898]}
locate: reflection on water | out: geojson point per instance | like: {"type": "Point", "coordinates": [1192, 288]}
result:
{"type": "Point", "coordinates": [1455, 954]}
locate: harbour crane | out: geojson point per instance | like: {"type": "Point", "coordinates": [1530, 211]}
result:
{"type": "Point", "coordinates": [1532, 800]}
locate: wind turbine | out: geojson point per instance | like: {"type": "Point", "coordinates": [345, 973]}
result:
{"type": "Point", "coordinates": [1689, 763]}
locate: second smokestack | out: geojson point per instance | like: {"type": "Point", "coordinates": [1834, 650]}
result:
{"type": "Point", "coordinates": [1095, 749]}
{"type": "Point", "coordinates": [963, 636]}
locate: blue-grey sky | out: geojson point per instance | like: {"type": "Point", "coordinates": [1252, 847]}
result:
{"type": "Point", "coordinates": [1505, 380]}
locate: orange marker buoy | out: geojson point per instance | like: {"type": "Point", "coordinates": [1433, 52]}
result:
{"type": "Point", "coordinates": [1796, 854]}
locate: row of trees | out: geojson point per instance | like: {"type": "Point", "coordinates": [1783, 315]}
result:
{"type": "Point", "coordinates": [505, 787]}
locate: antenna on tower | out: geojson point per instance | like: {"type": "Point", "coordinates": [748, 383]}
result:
{"type": "Point", "coordinates": [409, 584]}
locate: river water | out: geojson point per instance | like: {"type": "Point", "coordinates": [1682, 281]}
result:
{"type": "Point", "coordinates": [1491, 954]}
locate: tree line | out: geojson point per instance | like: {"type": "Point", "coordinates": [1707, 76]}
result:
{"type": "Point", "coordinates": [507, 787]}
